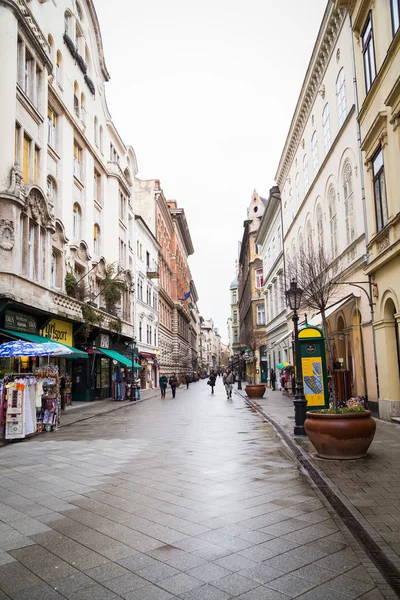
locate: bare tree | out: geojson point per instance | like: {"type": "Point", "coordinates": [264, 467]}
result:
{"type": "Point", "coordinates": [312, 269]}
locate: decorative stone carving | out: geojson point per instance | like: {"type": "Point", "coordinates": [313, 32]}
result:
{"type": "Point", "coordinates": [7, 237]}
{"type": "Point", "coordinates": [383, 243]}
{"type": "Point", "coordinates": [15, 180]}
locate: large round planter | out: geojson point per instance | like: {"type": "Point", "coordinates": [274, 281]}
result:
{"type": "Point", "coordinates": [255, 391]}
{"type": "Point", "coordinates": [340, 436]}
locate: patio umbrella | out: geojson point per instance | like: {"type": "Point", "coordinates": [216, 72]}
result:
{"type": "Point", "coordinates": [283, 365]}
{"type": "Point", "coordinates": [22, 348]}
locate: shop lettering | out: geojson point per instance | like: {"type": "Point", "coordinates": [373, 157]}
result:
{"type": "Point", "coordinates": [55, 334]}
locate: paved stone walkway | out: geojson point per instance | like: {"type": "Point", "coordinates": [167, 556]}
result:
{"type": "Point", "coordinates": [192, 498]}
{"type": "Point", "coordinates": [369, 487]}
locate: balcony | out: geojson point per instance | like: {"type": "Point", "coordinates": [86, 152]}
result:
{"type": "Point", "coordinates": [152, 274]}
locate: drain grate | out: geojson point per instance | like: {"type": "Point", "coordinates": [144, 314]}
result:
{"type": "Point", "coordinates": [386, 567]}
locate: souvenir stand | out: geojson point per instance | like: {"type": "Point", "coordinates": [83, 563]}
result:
{"type": "Point", "coordinates": [31, 402]}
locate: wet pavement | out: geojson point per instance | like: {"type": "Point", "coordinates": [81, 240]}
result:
{"type": "Point", "coordinates": [191, 498]}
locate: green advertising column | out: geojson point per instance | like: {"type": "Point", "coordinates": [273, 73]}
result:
{"type": "Point", "coordinates": [313, 361]}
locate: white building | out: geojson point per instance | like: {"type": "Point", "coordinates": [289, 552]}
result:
{"type": "Point", "coordinates": [146, 249]}
{"type": "Point", "coordinates": [66, 181]}
{"type": "Point", "coordinates": [269, 237]}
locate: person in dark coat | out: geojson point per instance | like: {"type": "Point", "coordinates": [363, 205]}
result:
{"type": "Point", "coordinates": [273, 379]}
{"type": "Point", "coordinates": [173, 382]}
{"type": "Point", "coordinates": [211, 381]}
{"type": "Point", "coordinates": [163, 381]}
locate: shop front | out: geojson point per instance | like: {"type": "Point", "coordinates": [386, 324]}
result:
{"type": "Point", "coordinates": [149, 374]}
{"type": "Point", "coordinates": [113, 371]}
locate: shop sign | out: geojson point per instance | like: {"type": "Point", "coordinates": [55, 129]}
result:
{"type": "Point", "coordinates": [58, 331]}
{"type": "Point", "coordinates": [104, 340]}
{"type": "Point", "coordinates": [19, 322]}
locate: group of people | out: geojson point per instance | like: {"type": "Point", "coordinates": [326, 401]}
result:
{"type": "Point", "coordinates": [284, 381]}
{"type": "Point", "coordinates": [228, 380]}
{"type": "Point", "coordinates": [173, 382]}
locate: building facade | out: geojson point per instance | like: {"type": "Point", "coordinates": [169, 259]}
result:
{"type": "Point", "coordinates": [376, 44]}
{"type": "Point", "coordinates": [269, 237]}
{"type": "Point", "coordinates": [252, 336]}
{"type": "Point", "coordinates": [233, 322]}
{"type": "Point", "coordinates": [319, 176]}
{"type": "Point", "coordinates": [63, 171]}
{"type": "Point", "coordinates": [146, 251]}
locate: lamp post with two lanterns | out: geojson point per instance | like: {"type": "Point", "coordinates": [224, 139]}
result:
{"type": "Point", "coordinates": [131, 345]}
{"type": "Point", "coordinates": [293, 297]}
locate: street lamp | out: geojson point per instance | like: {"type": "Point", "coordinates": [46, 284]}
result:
{"type": "Point", "coordinates": [293, 296]}
{"type": "Point", "coordinates": [131, 345]}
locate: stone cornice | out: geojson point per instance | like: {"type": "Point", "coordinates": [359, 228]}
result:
{"type": "Point", "coordinates": [329, 31]}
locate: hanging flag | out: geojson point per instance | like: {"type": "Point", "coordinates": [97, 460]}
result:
{"type": "Point", "coordinates": [186, 296]}
{"type": "Point", "coordinates": [191, 305]}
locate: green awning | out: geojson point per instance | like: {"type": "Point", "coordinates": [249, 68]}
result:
{"type": "Point", "coordinates": [39, 339]}
{"type": "Point", "coordinates": [124, 360]}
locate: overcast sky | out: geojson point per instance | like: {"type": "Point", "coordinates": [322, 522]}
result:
{"type": "Point", "coordinates": [205, 92]}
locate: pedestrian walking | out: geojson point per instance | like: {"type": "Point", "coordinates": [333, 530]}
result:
{"type": "Point", "coordinates": [163, 381]}
{"type": "Point", "coordinates": [173, 383]}
{"type": "Point", "coordinates": [273, 379]}
{"type": "Point", "coordinates": [211, 381]}
{"type": "Point", "coordinates": [228, 380]}
{"type": "Point", "coordinates": [187, 380]}
{"type": "Point", "coordinates": [138, 386]}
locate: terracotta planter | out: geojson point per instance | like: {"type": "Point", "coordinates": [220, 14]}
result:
{"type": "Point", "coordinates": [255, 391]}
{"type": "Point", "coordinates": [340, 437]}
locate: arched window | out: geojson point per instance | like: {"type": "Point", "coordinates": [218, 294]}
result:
{"type": "Point", "coordinates": [83, 106]}
{"type": "Point", "coordinates": [78, 39]}
{"type": "Point", "coordinates": [96, 239]}
{"type": "Point", "coordinates": [76, 98]}
{"type": "Point", "coordinates": [314, 151]}
{"type": "Point", "coordinates": [305, 174]}
{"type": "Point", "coordinates": [68, 23]}
{"type": "Point", "coordinates": [58, 67]}
{"type": "Point", "coordinates": [79, 11]}
{"type": "Point", "coordinates": [333, 220]}
{"type": "Point", "coordinates": [52, 190]}
{"type": "Point", "coordinates": [96, 131]}
{"type": "Point", "coordinates": [301, 242]}
{"type": "Point", "coordinates": [76, 222]}
{"type": "Point", "coordinates": [349, 202]}
{"type": "Point", "coordinates": [101, 140]}
{"type": "Point", "coordinates": [50, 41]}
{"type": "Point", "coordinates": [341, 97]}
{"type": "Point", "coordinates": [309, 235]}
{"type": "Point", "coordinates": [326, 128]}
{"type": "Point", "coordinates": [297, 185]}
{"type": "Point", "coordinates": [320, 226]}
{"type": "Point", "coordinates": [87, 58]}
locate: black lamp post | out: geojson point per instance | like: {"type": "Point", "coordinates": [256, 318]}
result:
{"type": "Point", "coordinates": [132, 347]}
{"type": "Point", "coordinates": [293, 296]}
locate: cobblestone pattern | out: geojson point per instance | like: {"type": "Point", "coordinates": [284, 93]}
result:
{"type": "Point", "coordinates": [192, 498]}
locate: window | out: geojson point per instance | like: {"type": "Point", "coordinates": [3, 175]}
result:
{"type": "Point", "coordinates": [320, 230]}
{"type": "Point", "coordinates": [28, 68]}
{"type": "Point", "coordinates": [122, 207]}
{"type": "Point", "coordinates": [148, 260]}
{"type": "Point", "coordinates": [368, 53]}
{"type": "Point", "coordinates": [314, 151]}
{"type": "Point", "coordinates": [326, 128]}
{"type": "Point", "coordinates": [97, 186]}
{"type": "Point", "coordinates": [395, 6]}
{"type": "Point", "coordinates": [51, 127]}
{"type": "Point", "coordinates": [341, 97]}
{"type": "Point", "coordinates": [96, 239]}
{"type": "Point", "coordinates": [101, 139]}
{"type": "Point", "coordinates": [348, 202]}
{"type": "Point", "coordinates": [309, 235]}
{"type": "Point", "coordinates": [260, 314]}
{"type": "Point", "coordinates": [234, 300]}
{"type": "Point", "coordinates": [77, 161]}
{"type": "Point", "coordinates": [378, 173]}
{"type": "Point", "coordinates": [235, 315]}
{"type": "Point", "coordinates": [259, 278]}
{"type": "Point", "coordinates": [305, 174]}
{"type": "Point", "coordinates": [83, 107]}
{"type": "Point", "coordinates": [76, 221]}
{"type": "Point", "coordinates": [54, 270]}
{"type": "Point", "coordinates": [155, 337]}
{"type": "Point", "coordinates": [31, 250]}
{"type": "Point", "coordinates": [333, 220]}
{"type": "Point", "coordinates": [51, 189]}
{"type": "Point", "coordinates": [50, 41]}
{"type": "Point", "coordinates": [297, 185]}
{"type": "Point", "coordinates": [67, 22]}
{"type": "Point", "coordinates": [26, 158]}
{"type": "Point", "coordinates": [76, 98]}
{"type": "Point", "coordinates": [58, 67]}
{"type": "Point", "coordinates": [122, 252]}
{"type": "Point", "coordinates": [96, 131]}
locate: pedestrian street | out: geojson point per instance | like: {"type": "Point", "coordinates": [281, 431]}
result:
{"type": "Point", "coordinates": [193, 498]}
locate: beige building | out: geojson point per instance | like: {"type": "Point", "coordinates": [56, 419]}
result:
{"type": "Point", "coordinates": [320, 180]}
{"type": "Point", "coordinates": [376, 41]}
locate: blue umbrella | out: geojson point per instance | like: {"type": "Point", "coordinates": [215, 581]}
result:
{"type": "Point", "coordinates": [22, 348]}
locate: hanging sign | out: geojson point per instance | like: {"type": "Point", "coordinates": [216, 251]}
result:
{"type": "Point", "coordinates": [19, 322]}
{"type": "Point", "coordinates": [58, 331]}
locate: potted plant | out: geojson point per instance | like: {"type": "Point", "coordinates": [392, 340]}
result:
{"type": "Point", "coordinates": [344, 431]}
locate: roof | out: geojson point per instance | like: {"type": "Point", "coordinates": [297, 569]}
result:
{"type": "Point", "coordinates": [234, 284]}
{"type": "Point", "coordinates": [263, 200]}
